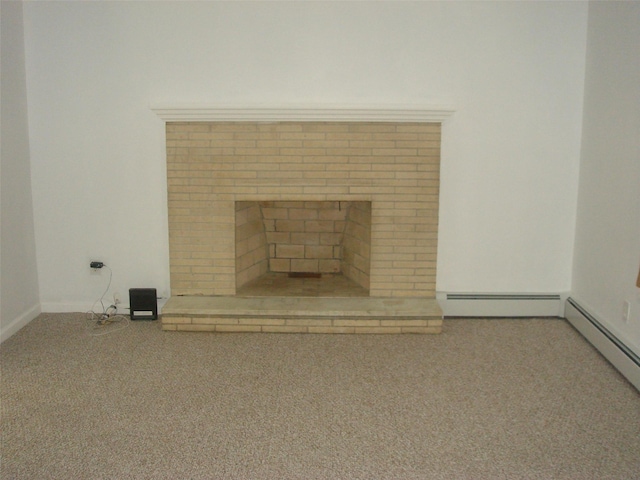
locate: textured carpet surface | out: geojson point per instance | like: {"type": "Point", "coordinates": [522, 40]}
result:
{"type": "Point", "coordinates": [488, 398]}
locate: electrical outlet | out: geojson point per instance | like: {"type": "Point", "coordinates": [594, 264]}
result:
{"type": "Point", "coordinates": [116, 298]}
{"type": "Point", "coordinates": [96, 266]}
{"type": "Point", "coordinates": [626, 311]}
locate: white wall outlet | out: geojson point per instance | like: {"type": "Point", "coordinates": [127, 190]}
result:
{"type": "Point", "coordinates": [117, 300]}
{"type": "Point", "coordinates": [626, 311]}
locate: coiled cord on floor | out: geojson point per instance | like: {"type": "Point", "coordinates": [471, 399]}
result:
{"type": "Point", "coordinates": [107, 321]}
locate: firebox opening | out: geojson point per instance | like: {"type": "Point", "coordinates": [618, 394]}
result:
{"type": "Point", "coordinates": [319, 248]}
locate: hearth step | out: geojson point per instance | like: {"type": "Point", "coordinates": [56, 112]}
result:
{"type": "Point", "coordinates": [377, 315]}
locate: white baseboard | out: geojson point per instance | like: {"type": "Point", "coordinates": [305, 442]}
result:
{"type": "Point", "coordinates": [80, 307]}
{"type": "Point", "coordinates": [614, 350]}
{"type": "Point", "coordinates": [19, 322]}
{"type": "Point", "coordinates": [65, 307]}
{"type": "Point", "coordinates": [501, 305]}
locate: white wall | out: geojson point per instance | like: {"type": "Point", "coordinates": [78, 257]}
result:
{"type": "Point", "coordinates": [513, 70]}
{"type": "Point", "coordinates": [18, 275]}
{"type": "Point", "coordinates": [607, 247]}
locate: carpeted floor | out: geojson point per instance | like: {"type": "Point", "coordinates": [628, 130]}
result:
{"type": "Point", "coordinates": [487, 399]}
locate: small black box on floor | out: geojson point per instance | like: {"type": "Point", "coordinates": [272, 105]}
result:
{"type": "Point", "coordinates": [143, 303]}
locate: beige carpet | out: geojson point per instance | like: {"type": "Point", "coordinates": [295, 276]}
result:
{"type": "Point", "coordinates": [487, 399]}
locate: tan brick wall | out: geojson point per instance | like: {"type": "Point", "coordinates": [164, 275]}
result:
{"type": "Point", "coordinates": [252, 257]}
{"type": "Point", "coordinates": [244, 324]}
{"type": "Point", "coordinates": [210, 166]}
{"type": "Point", "coordinates": [356, 258]}
{"type": "Point", "coordinates": [304, 236]}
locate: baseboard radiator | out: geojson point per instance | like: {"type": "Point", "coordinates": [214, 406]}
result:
{"type": "Point", "coordinates": [614, 350]}
{"type": "Point", "coordinates": [501, 305]}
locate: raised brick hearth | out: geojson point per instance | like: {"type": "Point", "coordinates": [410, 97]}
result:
{"type": "Point", "coordinates": [308, 176]}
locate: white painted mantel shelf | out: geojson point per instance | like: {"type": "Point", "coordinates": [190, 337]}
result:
{"type": "Point", "coordinates": [303, 113]}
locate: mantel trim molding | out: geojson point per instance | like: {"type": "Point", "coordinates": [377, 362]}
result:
{"type": "Point", "coordinates": [303, 113]}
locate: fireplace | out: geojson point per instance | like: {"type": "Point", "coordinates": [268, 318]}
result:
{"type": "Point", "coordinates": [302, 239]}
{"type": "Point", "coordinates": [304, 198]}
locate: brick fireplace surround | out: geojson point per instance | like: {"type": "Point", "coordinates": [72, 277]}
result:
{"type": "Point", "coordinates": [217, 168]}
